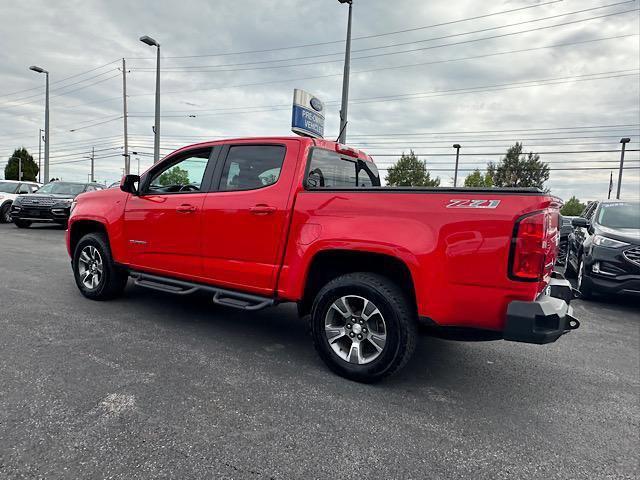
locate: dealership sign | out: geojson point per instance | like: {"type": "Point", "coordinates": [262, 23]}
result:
{"type": "Point", "coordinates": [307, 118]}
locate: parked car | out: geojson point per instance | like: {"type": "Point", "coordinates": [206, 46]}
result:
{"type": "Point", "coordinates": [9, 191]}
{"type": "Point", "coordinates": [604, 248]}
{"type": "Point", "coordinates": [261, 221]}
{"type": "Point", "coordinates": [51, 204]}
{"type": "Point", "coordinates": [566, 228]}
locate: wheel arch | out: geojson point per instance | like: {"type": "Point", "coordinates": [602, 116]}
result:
{"type": "Point", "coordinates": [329, 264]}
{"type": "Point", "coordinates": [80, 228]}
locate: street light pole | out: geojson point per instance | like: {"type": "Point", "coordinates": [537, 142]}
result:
{"type": "Point", "coordinates": [39, 155]}
{"type": "Point", "coordinates": [345, 79]}
{"type": "Point", "coordinates": [156, 128]}
{"type": "Point", "coordinates": [455, 175]}
{"type": "Point", "coordinates": [46, 121]}
{"type": "Point", "coordinates": [124, 116]}
{"type": "Point", "coordinates": [624, 142]}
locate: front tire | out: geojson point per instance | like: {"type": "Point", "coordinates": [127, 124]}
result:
{"type": "Point", "coordinates": [22, 223]}
{"type": "Point", "coordinates": [5, 213]}
{"type": "Point", "coordinates": [96, 274]}
{"type": "Point", "coordinates": [363, 326]}
{"type": "Point", "coordinates": [584, 283]}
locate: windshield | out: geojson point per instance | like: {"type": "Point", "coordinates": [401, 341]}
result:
{"type": "Point", "coordinates": [619, 215]}
{"type": "Point", "coordinates": [8, 187]}
{"type": "Point", "coordinates": [62, 188]}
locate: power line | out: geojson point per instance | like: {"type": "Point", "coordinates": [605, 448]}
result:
{"type": "Point", "coordinates": [61, 80]}
{"type": "Point", "coordinates": [566, 152]}
{"type": "Point", "coordinates": [462, 42]}
{"type": "Point", "coordinates": [290, 47]}
{"type": "Point", "coordinates": [289, 80]}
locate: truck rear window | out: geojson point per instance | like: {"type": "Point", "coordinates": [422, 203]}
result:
{"type": "Point", "coordinates": [330, 170]}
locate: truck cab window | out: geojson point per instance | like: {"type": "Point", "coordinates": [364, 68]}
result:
{"type": "Point", "coordinates": [328, 169]}
{"type": "Point", "coordinates": [249, 167]}
{"type": "Point", "coordinates": [183, 176]}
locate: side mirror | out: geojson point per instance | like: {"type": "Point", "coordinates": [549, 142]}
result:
{"type": "Point", "coordinates": [580, 222]}
{"type": "Point", "coordinates": [130, 184]}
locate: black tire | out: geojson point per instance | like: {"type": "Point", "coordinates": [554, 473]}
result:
{"type": "Point", "coordinates": [22, 223]}
{"type": "Point", "coordinates": [569, 271]}
{"type": "Point", "coordinates": [398, 314]}
{"type": "Point", "coordinates": [585, 287]}
{"type": "Point", "coordinates": [5, 216]}
{"type": "Point", "coordinates": [113, 279]}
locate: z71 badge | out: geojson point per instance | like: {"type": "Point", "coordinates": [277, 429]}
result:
{"type": "Point", "coordinates": [473, 203]}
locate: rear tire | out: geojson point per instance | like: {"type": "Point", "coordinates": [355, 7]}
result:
{"type": "Point", "coordinates": [96, 274]}
{"type": "Point", "coordinates": [5, 215]}
{"type": "Point", "coordinates": [363, 326]}
{"type": "Point", "coordinates": [22, 223]}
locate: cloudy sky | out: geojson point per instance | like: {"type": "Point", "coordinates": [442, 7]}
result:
{"type": "Point", "coordinates": [560, 76]}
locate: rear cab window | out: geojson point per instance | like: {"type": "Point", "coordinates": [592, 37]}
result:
{"type": "Point", "coordinates": [328, 169]}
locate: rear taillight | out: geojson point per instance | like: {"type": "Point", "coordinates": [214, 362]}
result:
{"type": "Point", "coordinates": [529, 248]}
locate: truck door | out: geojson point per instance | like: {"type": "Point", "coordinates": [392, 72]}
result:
{"type": "Point", "coordinates": [163, 225]}
{"type": "Point", "coordinates": [245, 218]}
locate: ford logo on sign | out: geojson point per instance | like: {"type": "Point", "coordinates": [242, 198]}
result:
{"type": "Point", "coordinates": [316, 104]}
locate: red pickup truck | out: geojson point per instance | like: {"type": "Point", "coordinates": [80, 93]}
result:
{"type": "Point", "coordinates": [261, 221]}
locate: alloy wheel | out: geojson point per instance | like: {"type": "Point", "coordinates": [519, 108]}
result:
{"type": "Point", "coordinates": [90, 267]}
{"type": "Point", "coordinates": [355, 329]}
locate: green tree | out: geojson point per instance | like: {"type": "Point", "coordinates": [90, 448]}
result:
{"type": "Point", "coordinates": [29, 167]}
{"type": "Point", "coordinates": [519, 170]}
{"type": "Point", "coordinates": [572, 208]}
{"type": "Point", "coordinates": [410, 171]}
{"type": "Point", "coordinates": [174, 176]}
{"type": "Point", "coordinates": [477, 179]}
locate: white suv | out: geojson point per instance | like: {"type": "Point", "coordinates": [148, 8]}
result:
{"type": "Point", "coordinates": [9, 190]}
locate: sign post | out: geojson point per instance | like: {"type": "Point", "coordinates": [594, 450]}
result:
{"type": "Point", "coordinates": [307, 117]}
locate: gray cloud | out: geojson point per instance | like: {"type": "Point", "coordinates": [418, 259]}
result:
{"type": "Point", "coordinates": [72, 37]}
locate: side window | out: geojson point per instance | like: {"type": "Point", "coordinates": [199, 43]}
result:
{"type": "Point", "coordinates": [184, 175]}
{"type": "Point", "coordinates": [328, 169]}
{"type": "Point", "coordinates": [24, 188]}
{"type": "Point", "coordinates": [249, 167]}
{"type": "Point", "coordinates": [591, 210]}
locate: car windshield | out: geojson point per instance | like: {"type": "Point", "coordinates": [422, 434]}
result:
{"type": "Point", "coordinates": [620, 215]}
{"type": "Point", "coordinates": [8, 187]}
{"type": "Point", "coordinates": [62, 188]}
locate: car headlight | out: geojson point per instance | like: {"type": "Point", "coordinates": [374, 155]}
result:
{"type": "Point", "coordinates": [607, 242]}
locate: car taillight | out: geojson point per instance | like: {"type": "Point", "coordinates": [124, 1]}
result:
{"type": "Point", "coordinates": [529, 248]}
{"type": "Point", "coordinates": [349, 151]}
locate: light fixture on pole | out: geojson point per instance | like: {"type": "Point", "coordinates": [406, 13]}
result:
{"type": "Point", "coordinates": [46, 121]}
{"type": "Point", "coordinates": [342, 138]}
{"type": "Point", "coordinates": [624, 142]}
{"type": "Point", "coordinates": [455, 175]}
{"type": "Point", "coordinates": [156, 128]}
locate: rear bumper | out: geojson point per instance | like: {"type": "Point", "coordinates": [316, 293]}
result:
{"type": "Point", "coordinates": [544, 320]}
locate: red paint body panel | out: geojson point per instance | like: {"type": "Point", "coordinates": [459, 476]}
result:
{"type": "Point", "coordinates": [458, 257]}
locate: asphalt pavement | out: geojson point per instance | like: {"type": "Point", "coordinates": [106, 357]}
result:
{"type": "Point", "coordinates": [157, 386]}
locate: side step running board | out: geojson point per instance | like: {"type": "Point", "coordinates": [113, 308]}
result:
{"type": "Point", "coordinates": [229, 298]}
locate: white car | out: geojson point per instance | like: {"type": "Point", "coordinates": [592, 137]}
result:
{"type": "Point", "coordinates": [9, 190]}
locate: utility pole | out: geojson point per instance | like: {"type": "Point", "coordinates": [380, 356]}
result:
{"type": "Point", "coordinates": [455, 175]}
{"type": "Point", "coordinates": [124, 107]}
{"type": "Point", "coordinates": [345, 79]}
{"type": "Point", "coordinates": [39, 155]}
{"type": "Point", "coordinates": [92, 163]}
{"type": "Point", "coordinates": [624, 142]}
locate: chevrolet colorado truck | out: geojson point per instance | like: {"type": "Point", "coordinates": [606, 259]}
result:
{"type": "Point", "coordinates": [260, 221]}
